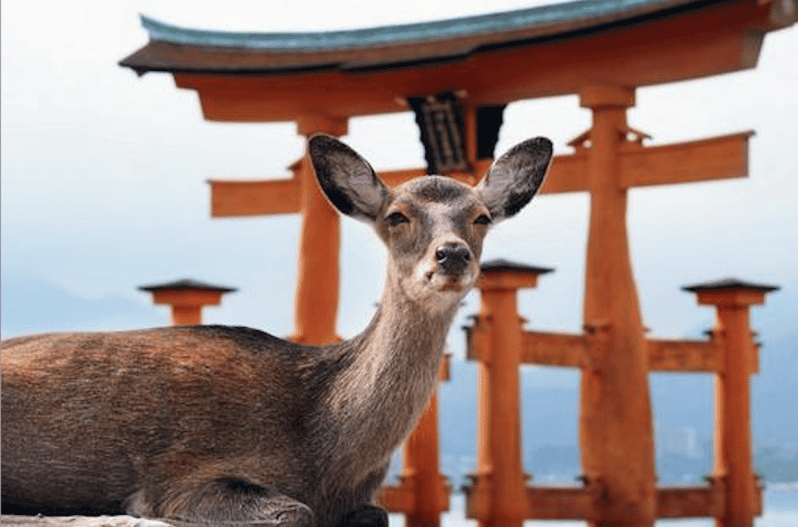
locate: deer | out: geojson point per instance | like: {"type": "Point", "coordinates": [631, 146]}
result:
{"type": "Point", "coordinates": [230, 426]}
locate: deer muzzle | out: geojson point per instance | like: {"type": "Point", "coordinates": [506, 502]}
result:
{"type": "Point", "coordinates": [453, 259]}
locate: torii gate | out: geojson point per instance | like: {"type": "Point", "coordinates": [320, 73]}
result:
{"type": "Point", "coordinates": [601, 50]}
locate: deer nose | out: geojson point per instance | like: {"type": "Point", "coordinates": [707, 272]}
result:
{"type": "Point", "coordinates": [453, 259]}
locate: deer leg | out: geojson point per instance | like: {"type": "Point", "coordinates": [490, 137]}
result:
{"type": "Point", "coordinates": [228, 503]}
{"type": "Point", "coordinates": [366, 516]}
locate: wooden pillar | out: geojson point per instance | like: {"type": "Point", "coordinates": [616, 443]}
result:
{"type": "Point", "coordinates": [616, 433]}
{"type": "Point", "coordinates": [470, 133]}
{"type": "Point", "coordinates": [733, 450]}
{"type": "Point", "coordinates": [500, 475]}
{"type": "Point", "coordinates": [421, 472]}
{"type": "Point", "coordinates": [186, 298]}
{"type": "Point", "coordinates": [318, 271]}
{"type": "Point", "coordinates": [186, 315]}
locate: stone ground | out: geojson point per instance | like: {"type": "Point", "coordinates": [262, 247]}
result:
{"type": "Point", "coordinates": [78, 521]}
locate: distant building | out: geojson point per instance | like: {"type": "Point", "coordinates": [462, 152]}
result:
{"type": "Point", "coordinates": [683, 441]}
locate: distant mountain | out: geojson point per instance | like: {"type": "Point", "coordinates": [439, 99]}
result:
{"type": "Point", "coordinates": [31, 305]}
{"type": "Point", "coordinates": [553, 463]}
{"type": "Point", "coordinates": [778, 463]}
{"type": "Point", "coordinates": [775, 392]}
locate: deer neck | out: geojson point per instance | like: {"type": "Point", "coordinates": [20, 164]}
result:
{"type": "Point", "coordinates": [382, 392]}
{"type": "Point", "coordinates": [403, 346]}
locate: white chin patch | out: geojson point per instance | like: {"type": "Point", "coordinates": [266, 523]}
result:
{"type": "Point", "coordinates": [435, 290]}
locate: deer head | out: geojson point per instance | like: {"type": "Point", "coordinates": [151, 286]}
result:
{"type": "Point", "coordinates": [433, 226]}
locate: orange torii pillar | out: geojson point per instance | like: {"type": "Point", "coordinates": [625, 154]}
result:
{"type": "Point", "coordinates": [316, 308]}
{"type": "Point", "coordinates": [186, 298]}
{"type": "Point", "coordinates": [616, 433]}
{"type": "Point", "coordinates": [498, 496]}
{"type": "Point", "coordinates": [733, 462]}
{"type": "Point", "coordinates": [423, 492]}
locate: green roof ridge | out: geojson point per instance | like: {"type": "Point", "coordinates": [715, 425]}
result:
{"type": "Point", "coordinates": [414, 32]}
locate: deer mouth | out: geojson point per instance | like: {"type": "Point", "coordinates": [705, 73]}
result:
{"type": "Point", "coordinates": [438, 290]}
{"type": "Point", "coordinates": [453, 283]}
{"type": "Point", "coordinates": [449, 282]}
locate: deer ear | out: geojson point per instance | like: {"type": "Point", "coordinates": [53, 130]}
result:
{"type": "Point", "coordinates": [347, 179]}
{"type": "Point", "coordinates": [515, 177]}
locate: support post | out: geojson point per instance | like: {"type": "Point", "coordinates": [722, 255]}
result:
{"type": "Point", "coordinates": [318, 273]}
{"type": "Point", "coordinates": [421, 473]}
{"type": "Point", "coordinates": [733, 450]}
{"type": "Point", "coordinates": [186, 297]}
{"type": "Point", "coordinates": [500, 477]}
{"type": "Point", "coordinates": [616, 433]}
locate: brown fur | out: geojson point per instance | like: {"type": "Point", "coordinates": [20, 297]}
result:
{"type": "Point", "coordinates": [211, 425]}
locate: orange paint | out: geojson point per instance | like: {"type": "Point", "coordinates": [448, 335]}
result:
{"type": "Point", "coordinates": [318, 277]}
{"type": "Point", "coordinates": [186, 298]}
{"type": "Point", "coordinates": [498, 497]}
{"type": "Point", "coordinates": [617, 441]}
{"type": "Point", "coordinates": [733, 450]}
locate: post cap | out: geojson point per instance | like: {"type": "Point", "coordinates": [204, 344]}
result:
{"type": "Point", "coordinates": [505, 274]}
{"type": "Point", "coordinates": [728, 284]}
{"type": "Point", "coordinates": [730, 291]}
{"type": "Point", "coordinates": [187, 284]}
{"type": "Point", "coordinates": [187, 292]}
{"type": "Point", "coordinates": [500, 264]}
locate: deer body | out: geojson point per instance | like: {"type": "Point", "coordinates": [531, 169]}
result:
{"type": "Point", "coordinates": [211, 425]}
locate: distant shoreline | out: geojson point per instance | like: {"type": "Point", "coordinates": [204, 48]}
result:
{"type": "Point", "coordinates": [781, 485]}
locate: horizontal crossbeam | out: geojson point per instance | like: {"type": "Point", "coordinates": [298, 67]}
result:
{"type": "Point", "coordinates": [573, 351]}
{"type": "Point", "coordinates": [402, 497]}
{"type": "Point", "coordinates": [397, 498]}
{"type": "Point", "coordinates": [563, 503]}
{"type": "Point", "coordinates": [684, 356]}
{"type": "Point", "coordinates": [255, 198]}
{"type": "Point", "coordinates": [687, 502]}
{"type": "Point", "coordinates": [583, 503]}
{"type": "Point", "coordinates": [721, 157]}
{"type": "Point", "coordinates": [555, 349]}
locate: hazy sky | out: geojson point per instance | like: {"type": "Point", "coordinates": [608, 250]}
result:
{"type": "Point", "coordinates": [103, 173]}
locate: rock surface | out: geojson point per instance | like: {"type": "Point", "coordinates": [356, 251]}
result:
{"type": "Point", "coordinates": [78, 521]}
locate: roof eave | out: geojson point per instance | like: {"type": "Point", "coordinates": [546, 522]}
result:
{"type": "Point", "coordinates": [171, 41]}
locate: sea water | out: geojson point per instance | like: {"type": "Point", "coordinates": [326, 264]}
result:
{"type": "Point", "coordinates": [780, 509]}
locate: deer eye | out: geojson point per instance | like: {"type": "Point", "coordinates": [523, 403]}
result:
{"type": "Point", "coordinates": [397, 218]}
{"type": "Point", "coordinates": [483, 219]}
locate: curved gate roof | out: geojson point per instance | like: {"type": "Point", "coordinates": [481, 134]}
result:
{"type": "Point", "coordinates": [496, 58]}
